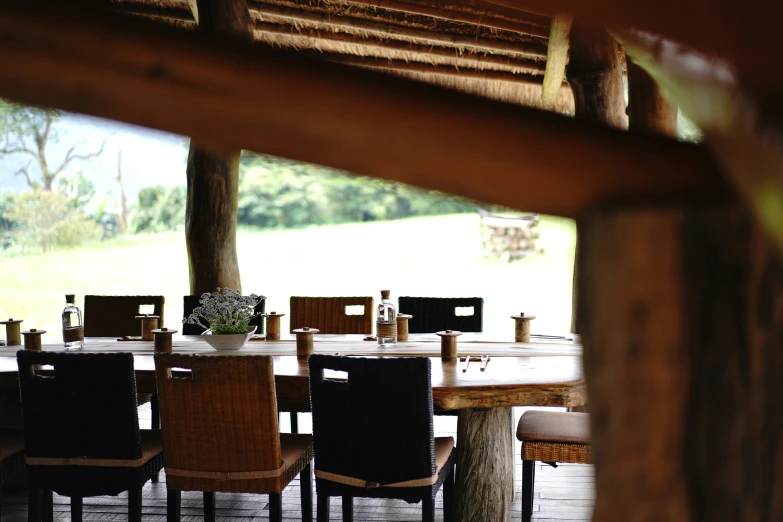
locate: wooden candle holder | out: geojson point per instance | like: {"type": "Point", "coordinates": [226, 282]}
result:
{"type": "Point", "coordinates": [304, 342]}
{"type": "Point", "coordinates": [13, 329]}
{"type": "Point", "coordinates": [448, 345]}
{"type": "Point", "coordinates": [522, 327]}
{"type": "Point", "coordinates": [148, 324]}
{"type": "Point", "coordinates": [32, 339]}
{"type": "Point", "coordinates": [402, 326]}
{"type": "Point", "coordinates": [273, 326]}
{"type": "Point", "coordinates": [163, 342]}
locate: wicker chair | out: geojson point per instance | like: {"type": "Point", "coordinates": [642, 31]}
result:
{"type": "Point", "coordinates": [329, 316]}
{"type": "Point", "coordinates": [11, 456]}
{"type": "Point", "coordinates": [374, 436]}
{"type": "Point", "coordinates": [432, 314]}
{"type": "Point", "coordinates": [71, 450]}
{"type": "Point", "coordinates": [220, 432]}
{"type": "Point", "coordinates": [191, 302]}
{"type": "Point", "coordinates": [551, 437]}
{"type": "Point", "coordinates": [115, 316]}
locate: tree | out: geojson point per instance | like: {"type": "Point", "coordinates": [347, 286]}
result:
{"type": "Point", "coordinates": [28, 131]}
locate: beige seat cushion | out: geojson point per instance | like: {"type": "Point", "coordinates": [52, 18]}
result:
{"type": "Point", "coordinates": [554, 426]}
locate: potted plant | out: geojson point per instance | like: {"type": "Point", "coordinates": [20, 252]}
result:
{"type": "Point", "coordinates": [225, 316]}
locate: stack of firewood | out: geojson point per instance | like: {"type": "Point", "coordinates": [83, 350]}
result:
{"type": "Point", "coordinates": [508, 238]}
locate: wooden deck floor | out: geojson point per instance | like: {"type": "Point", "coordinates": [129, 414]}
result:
{"type": "Point", "coordinates": [564, 493]}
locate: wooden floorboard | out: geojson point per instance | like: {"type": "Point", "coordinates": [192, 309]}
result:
{"type": "Point", "coordinates": [565, 493]}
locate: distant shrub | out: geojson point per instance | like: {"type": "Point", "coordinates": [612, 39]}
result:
{"type": "Point", "coordinates": [158, 209]}
{"type": "Point", "coordinates": [47, 221]}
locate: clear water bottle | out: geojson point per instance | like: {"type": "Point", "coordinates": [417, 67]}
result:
{"type": "Point", "coordinates": [73, 329]}
{"type": "Point", "coordinates": [386, 324]}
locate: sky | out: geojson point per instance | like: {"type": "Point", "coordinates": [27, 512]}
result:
{"type": "Point", "coordinates": [149, 157]}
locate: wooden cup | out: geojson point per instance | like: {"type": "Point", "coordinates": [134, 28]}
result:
{"type": "Point", "coordinates": [148, 324]}
{"type": "Point", "coordinates": [402, 327]}
{"type": "Point", "coordinates": [163, 342]}
{"type": "Point", "coordinates": [304, 342]}
{"type": "Point", "coordinates": [32, 339]}
{"type": "Point", "coordinates": [13, 332]}
{"type": "Point", "coordinates": [522, 327]}
{"type": "Point", "coordinates": [273, 326]}
{"type": "Point", "coordinates": [448, 345]}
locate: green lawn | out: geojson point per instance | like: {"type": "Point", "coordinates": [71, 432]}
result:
{"type": "Point", "coordinates": [432, 256]}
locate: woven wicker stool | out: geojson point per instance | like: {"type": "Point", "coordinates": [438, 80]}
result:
{"type": "Point", "coordinates": [550, 436]}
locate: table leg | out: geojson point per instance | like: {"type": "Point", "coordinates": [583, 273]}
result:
{"type": "Point", "coordinates": [485, 464]}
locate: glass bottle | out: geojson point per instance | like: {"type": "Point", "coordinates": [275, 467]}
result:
{"type": "Point", "coordinates": [73, 329]}
{"type": "Point", "coordinates": [386, 324]}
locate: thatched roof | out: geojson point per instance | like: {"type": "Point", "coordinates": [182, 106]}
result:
{"type": "Point", "coordinates": [474, 47]}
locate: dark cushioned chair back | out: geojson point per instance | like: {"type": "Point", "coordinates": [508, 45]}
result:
{"type": "Point", "coordinates": [435, 314]}
{"type": "Point", "coordinates": [330, 316]}
{"type": "Point", "coordinates": [115, 315]}
{"type": "Point", "coordinates": [377, 424]}
{"type": "Point", "coordinates": [190, 303]}
{"type": "Point", "coordinates": [85, 407]}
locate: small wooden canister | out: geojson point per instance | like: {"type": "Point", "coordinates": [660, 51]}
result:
{"type": "Point", "coordinates": [402, 327]}
{"type": "Point", "coordinates": [448, 345]}
{"type": "Point", "coordinates": [304, 342]}
{"type": "Point", "coordinates": [32, 339]}
{"type": "Point", "coordinates": [148, 324]}
{"type": "Point", "coordinates": [522, 327]}
{"type": "Point", "coordinates": [163, 342]}
{"type": "Point", "coordinates": [13, 329]}
{"type": "Point", "coordinates": [273, 326]}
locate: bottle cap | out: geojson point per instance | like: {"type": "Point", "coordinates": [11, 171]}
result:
{"type": "Point", "coordinates": [70, 298]}
{"type": "Point", "coordinates": [385, 294]}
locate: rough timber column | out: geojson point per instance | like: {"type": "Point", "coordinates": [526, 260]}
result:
{"type": "Point", "coordinates": [596, 79]}
{"type": "Point", "coordinates": [648, 110]}
{"type": "Point", "coordinates": [681, 308]}
{"type": "Point", "coordinates": [213, 177]}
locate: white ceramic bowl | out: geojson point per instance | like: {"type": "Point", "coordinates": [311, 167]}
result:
{"type": "Point", "coordinates": [228, 342]}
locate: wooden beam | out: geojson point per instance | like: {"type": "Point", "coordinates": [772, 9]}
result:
{"type": "Point", "coordinates": [648, 110]}
{"type": "Point", "coordinates": [681, 310]}
{"type": "Point", "coordinates": [596, 76]}
{"type": "Point", "coordinates": [304, 38]}
{"type": "Point", "coordinates": [556, 58]}
{"type": "Point", "coordinates": [729, 29]}
{"type": "Point", "coordinates": [743, 135]}
{"type": "Point", "coordinates": [235, 94]}
{"type": "Point", "coordinates": [388, 28]}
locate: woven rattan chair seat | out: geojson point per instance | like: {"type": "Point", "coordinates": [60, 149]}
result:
{"type": "Point", "coordinates": [443, 448]}
{"type": "Point", "coordinates": [554, 426]}
{"type": "Point", "coordinates": [296, 451]}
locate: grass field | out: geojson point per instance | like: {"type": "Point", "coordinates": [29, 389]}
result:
{"type": "Point", "coordinates": [433, 256]}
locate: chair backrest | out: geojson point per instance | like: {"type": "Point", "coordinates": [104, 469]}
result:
{"type": "Point", "coordinates": [190, 302]}
{"type": "Point", "coordinates": [115, 315]}
{"type": "Point", "coordinates": [218, 413]}
{"type": "Point", "coordinates": [434, 314]}
{"type": "Point", "coordinates": [330, 315]}
{"type": "Point", "coordinates": [377, 424]}
{"type": "Point", "coordinates": [85, 407]}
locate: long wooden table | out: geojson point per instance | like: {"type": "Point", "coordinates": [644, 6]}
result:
{"type": "Point", "coordinates": [518, 374]}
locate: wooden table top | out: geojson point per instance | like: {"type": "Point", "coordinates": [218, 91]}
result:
{"type": "Point", "coordinates": [518, 374]}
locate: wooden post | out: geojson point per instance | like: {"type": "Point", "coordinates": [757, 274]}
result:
{"type": "Point", "coordinates": [485, 464]}
{"type": "Point", "coordinates": [213, 177]}
{"type": "Point", "coordinates": [556, 58]}
{"type": "Point", "coordinates": [648, 110]}
{"type": "Point", "coordinates": [682, 323]}
{"type": "Point", "coordinates": [596, 79]}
